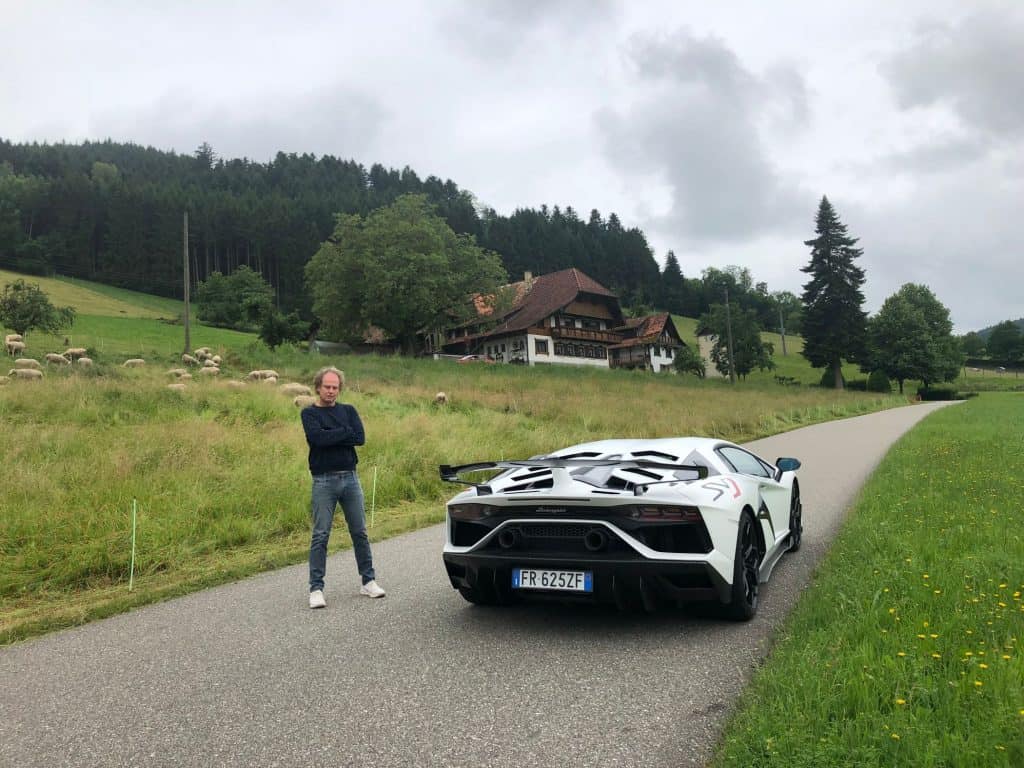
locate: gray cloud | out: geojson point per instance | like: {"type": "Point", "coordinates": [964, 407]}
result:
{"type": "Point", "coordinates": [975, 69]}
{"type": "Point", "coordinates": [336, 120]}
{"type": "Point", "coordinates": [694, 127]}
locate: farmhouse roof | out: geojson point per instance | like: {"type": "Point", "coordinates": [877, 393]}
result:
{"type": "Point", "coordinates": [646, 330]}
{"type": "Point", "coordinates": [539, 297]}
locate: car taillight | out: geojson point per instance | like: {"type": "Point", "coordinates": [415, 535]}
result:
{"type": "Point", "coordinates": [471, 511]}
{"type": "Point", "coordinates": [665, 513]}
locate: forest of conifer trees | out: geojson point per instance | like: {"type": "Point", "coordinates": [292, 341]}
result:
{"type": "Point", "coordinates": [112, 212]}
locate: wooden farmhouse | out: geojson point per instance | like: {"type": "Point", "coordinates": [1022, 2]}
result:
{"type": "Point", "coordinates": [565, 318]}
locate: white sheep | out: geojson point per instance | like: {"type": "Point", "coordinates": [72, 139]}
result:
{"type": "Point", "coordinates": [271, 380]}
{"type": "Point", "coordinates": [293, 388]}
{"type": "Point", "coordinates": [302, 401]}
{"type": "Point", "coordinates": [177, 386]}
{"type": "Point", "coordinates": [262, 374]}
{"type": "Point", "coordinates": [25, 373]}
{"type": "Point", "coordinates": [4, 380]}
{"type": "Point", "coordinates": [55, 359]}
{"type": "Point", "coordinates": [13, 337]}
{"type": "Point", "coordinates": [202, 353]}
{"type": "Point", "coordinates": [27, 362]}
{"type": "Point", "coordinates": [208, 363]}
{"type": "Point", "coordinates": [234, 384]}
{"type": "Point", "coordinates": [440, 399]}
{"type": "Point", "coordinates": [85, 362]}
{"type": "Point", "coordinates": [135, 362]}
{"type": "Point", "coordinates": [73, 353]}
{"type": "Point", "coordinates": [185, 377]}
{"type": "Point", "coordinates": [188, 359]}
{"type": "Point", "coordinates": [15, 348]}
{"type": "Point", "coordinates": [177, 372]}
{"type": "Point", "coordinates": [216, 359]}
{"type": "Point", "coordinates": [209, 371]}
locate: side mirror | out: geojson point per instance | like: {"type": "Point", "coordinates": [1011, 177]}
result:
{"type": "Point", "coordinates": [786, 465]}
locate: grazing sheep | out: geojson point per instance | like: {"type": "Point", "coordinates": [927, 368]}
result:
{"type": "Point", "coordinates": [15, 348]}
{"type": "Point", "coordinates": [202, 353]}
{"type": "Point", "coordinates": [208, 363]}
{"type": "Point", "coordinates": [73, 353]}
{"type": "Point", "coordinates": [177, 386]}
{"type": "Point", "coordinates": [235, 384]}
{"type": "Point", "coordinates": [135, 362]}
{"type": "Point", "coordinates": [262, 374]}
{"type": "Point", "coordinates": [177, 372]}
{"type": "Point", "coordinates": [295, 389]}
{"type": "Point", "coordinates": [85, 362]}
{"type": "Point", "coordinates": [216, 359]}
{"type": "Point", "coordinates": [185, 377]}
{"type": "Point", "coordinates": [440, 399]}
{"type": "Point", "coordinates": [301, 401]}
{"type": "Point", "coordinates": [4, 380]}
{"type": "Point", "coordinates": [27, 362]}
{"type": "Point", "coordinates": [272, 380]}
{"type": "Point", "coordinates": [25, 373]}
{"type": "Point", "coordinates": [209, 371]}
{"type": "Point", "coordinates": [13, 337]}
{"type": "Point", "coordinates": [189, 360]}
{"type": "Point", "coordinates": [53, 357]}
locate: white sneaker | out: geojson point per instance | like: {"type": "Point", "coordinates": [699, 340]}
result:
{"type": "Point", "coordinates": [372, 589]}
{"type": "Point", "coordinates": [316, 599]}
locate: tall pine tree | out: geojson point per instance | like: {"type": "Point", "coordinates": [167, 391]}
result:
{"type": "Point", "coordinates": [834, 325]}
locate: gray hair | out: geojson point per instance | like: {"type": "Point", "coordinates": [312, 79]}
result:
{"type": "Point", "coordinates": [319, 378]}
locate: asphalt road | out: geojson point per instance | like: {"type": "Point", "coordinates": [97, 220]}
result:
{"type": "Point", "coordinates": [247, 675]}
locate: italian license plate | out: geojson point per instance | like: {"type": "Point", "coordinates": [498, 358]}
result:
{"type": "Point", "coordinates": [558, 581]}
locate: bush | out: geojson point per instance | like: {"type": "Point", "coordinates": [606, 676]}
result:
{"type": "Point", "coordinates": [879, 382]}
{"type": "Point", "coordinates": [857, 385]}
{"type": "Point", "coordinates": [937, 393]}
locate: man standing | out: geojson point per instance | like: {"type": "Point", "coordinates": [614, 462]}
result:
{"type": "Point", "coordinates": [333, 430]}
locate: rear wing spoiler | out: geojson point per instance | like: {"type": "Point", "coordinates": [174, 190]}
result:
{"type": "Point", "coordinates": [450, 473]}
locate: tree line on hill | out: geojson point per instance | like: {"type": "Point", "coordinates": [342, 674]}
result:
{"type": "Point", "coordinates": [265, 239]}
{"type": "Point", "coordinates": [112, 212]}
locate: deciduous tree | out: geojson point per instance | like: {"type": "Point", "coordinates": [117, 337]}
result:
{"type": "Point", "coordinates": [749, 351]}
{"type": "Point", "coordinates": [911, 337]}
{"type": "Point", "coordinates": [401, 269]}
{"type": "Point", "coordinates": [25, 307]}
{"type": "Point", "coordinates": [834, 325]}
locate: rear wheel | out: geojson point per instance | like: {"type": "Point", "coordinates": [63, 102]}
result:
{"type": "Point", "coordinates": [796, 520]}
{"type": "Point", "coordinates": [745, 567]}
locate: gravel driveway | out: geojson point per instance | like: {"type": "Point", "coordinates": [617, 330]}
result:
{"type": "Point", "coordinates": [247, 675]}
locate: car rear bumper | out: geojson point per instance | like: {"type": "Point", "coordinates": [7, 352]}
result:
{"type": "Point", "coordinates": [623, 582]}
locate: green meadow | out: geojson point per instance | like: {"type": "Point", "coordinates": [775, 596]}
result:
{"type": "Point", "coordinates": [217, 476]}
{"type": "Point", "coordinates": [907, 649]}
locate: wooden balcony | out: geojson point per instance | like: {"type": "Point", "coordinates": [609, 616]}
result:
{"type": "Point", "coordinates": [580, 334]}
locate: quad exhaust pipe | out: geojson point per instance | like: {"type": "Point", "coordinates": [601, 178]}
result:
{"type": "Point", "coordinates": [595, 540]}
{"type": "Point", "coordinates": [508, 538]}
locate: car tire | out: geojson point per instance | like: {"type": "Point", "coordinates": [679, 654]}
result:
{"type": "Point", "coordinates": [796, 520]}
{"type": "Point", "coordinates": [745, 579]}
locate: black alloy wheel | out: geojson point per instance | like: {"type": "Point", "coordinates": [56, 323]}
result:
{"type": "Point", "coordinates": [745, 571]}
{"type": "Point", "coordinates": [796, 520]}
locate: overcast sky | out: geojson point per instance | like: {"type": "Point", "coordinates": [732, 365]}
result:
{"type": "Point", "coordinates": [714, 127]}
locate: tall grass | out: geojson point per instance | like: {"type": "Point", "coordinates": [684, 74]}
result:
{"type": "Point", "coordinates": [220, 475]}
{"type": "Point", "coordinates": [907, 650]}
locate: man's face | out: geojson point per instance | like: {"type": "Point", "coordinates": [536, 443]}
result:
{"type": "Point", "coordinates": [329, 388]}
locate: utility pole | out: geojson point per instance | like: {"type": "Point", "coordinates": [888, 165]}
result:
{"type": "Point", "coordinates": [728, 330]}
{"type": "Point", "coordinates": [188, 341]}
{"type": "Point", "coordinates": [782, 330]}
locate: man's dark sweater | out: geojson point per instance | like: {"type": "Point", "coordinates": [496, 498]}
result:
{"type": "Point", "coordinates": [332, 434]}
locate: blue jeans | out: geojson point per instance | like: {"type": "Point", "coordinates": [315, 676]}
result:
{"type": "Point", "coordinates": [328, 491]}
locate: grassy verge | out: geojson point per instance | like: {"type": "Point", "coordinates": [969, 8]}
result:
{"type": "Point", "coordinates": [907, 650]}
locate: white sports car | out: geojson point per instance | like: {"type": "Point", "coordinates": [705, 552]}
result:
{"type": "Point", "coordinates": [629, 522]}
